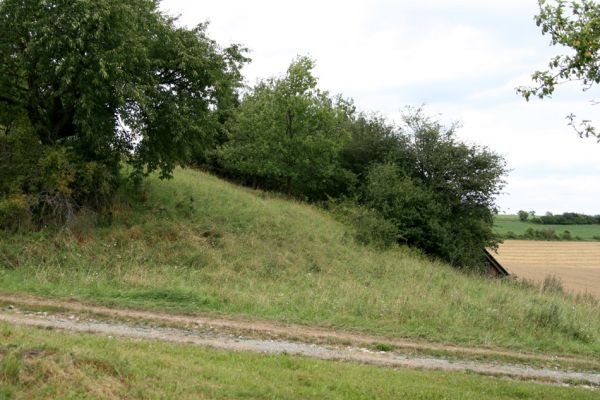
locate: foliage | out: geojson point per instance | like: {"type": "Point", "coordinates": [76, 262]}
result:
{"type": "Point", "coordinates": [439, 192]}
{"type": "Point", "coordinates": [97, 81]}
{"type": "Point", "coordinates": [567, 218]}
{"type": "Point", "coordinates": [574, 25]}
{"type": "Point", "coordinates": [14, 212]}
{"type": "Point", "coordinates": [373, 140]}
{"type": "Point", "coordinates": [510, 227]}
{"type": "Point", "coordinates": [523, 215]}
{"type": "Point", "coordinates": [287, 135]}
{"type": "Point", "coordinates": [50, 182]}
{"type": "Point", "coordinates": [541, 234]}
{"type": "Point", "coordinates": [371, 227]}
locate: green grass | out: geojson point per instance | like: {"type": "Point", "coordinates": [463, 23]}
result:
{"type": "Point", "coordinates": [511, 223]}
{"type": "Point", "coordinates": [201, 245]}
{"type": "Point", "coordinates": [42, 364]}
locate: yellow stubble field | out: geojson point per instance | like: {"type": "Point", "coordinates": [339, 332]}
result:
{"type": "Point", "coordinates": [576, 264]}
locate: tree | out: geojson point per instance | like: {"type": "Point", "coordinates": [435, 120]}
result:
{"type": "Point", "coordinates": [373, 140]}
{"type": "Point", "coordinates": [111, 78]}
{"type": "Point", "coordinates": [439, 192]}
{"type": "Point", "coordinates": [523, 215]}
{"type": "Point", "coordinates": [88, 84]}
{"type": "Point", "coordinates": [287, 134]}
{"type": "Point", "coordinates": [576, 26]}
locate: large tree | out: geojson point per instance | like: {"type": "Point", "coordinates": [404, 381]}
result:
{"type": "Point", "coordinates": [574, 25]}
{"type": "Point", "coordinates": [109, 78]}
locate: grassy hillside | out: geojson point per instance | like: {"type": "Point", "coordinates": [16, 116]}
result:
{"type": "Point", "coordinates": [511, 223]}
{"type": "Point", "coordinates": [199, 244]}
{"type": "Point", "coordinates": [41, 364]}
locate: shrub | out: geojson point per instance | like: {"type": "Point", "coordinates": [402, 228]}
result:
{"type": "Point", "coordinates": [566, 235]}
{"type": "Point", "coordinates": [372, 229]}
{"type": "Point", "coordinates": [14, 212]}
{"type": "Point", "coordinates": [48, 184]}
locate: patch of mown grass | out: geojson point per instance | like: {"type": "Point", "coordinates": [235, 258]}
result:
{"type": "Point", "coordinates": [49, 364]}
{"type": "Point", "coordinates": [200, 244]}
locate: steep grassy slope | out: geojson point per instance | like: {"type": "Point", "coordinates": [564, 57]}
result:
{"type": "Point", "coordinates": [199, 244]}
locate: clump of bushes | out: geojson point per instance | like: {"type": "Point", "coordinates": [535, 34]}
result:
{"type": "Point", "coordinates": [42, 184]}
{"type": "Point", "coordinates": [567, 218]}
{"type": "Point", "coordinates": [14, 212]}
{"type": "Point", "coordinates": [371, 228]}
{"type": "Point", "coordinates": [542, 234]}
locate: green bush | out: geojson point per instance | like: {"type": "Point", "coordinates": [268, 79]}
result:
{"type": "Point", "coordinates": [42, 184]}
{"type": "Point", "coordinates": [426, 220]}
{"type": "Point", "coordinates": [372, 229]}
{"type": "Point", "coordinates": [14, 212]}
{"type": "Point", "coordinates": [566, 235]}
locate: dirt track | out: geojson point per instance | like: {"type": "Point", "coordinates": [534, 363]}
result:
{"type": "Point", "coordinates": [265, 337]}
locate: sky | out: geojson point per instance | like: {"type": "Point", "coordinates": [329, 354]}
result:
{"type": "Point", "coordinates": [462, 59]}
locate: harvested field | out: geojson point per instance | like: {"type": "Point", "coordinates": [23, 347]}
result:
{"type": "Point", "coordinates": [576, 264]}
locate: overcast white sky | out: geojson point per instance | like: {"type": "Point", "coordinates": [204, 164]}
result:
{"type": "Point", "coordinates": [462, 58]}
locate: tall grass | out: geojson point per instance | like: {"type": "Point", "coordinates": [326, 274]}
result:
{"type": "Point", "coordinates": [200, 244]}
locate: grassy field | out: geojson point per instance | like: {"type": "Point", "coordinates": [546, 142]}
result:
{"type": "Point", "coordinates": [511, 223]}
{"type": "Point", "coordinates": [198, 244]}
{"type": "Point", "coordinates": [42, 364]}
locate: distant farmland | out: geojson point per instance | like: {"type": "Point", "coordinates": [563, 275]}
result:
{"type": "Point", "coordinates": [511, 223]}
{"type": "Point", "coordinates": [576, 264]}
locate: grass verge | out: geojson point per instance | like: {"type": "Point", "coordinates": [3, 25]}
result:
{"type": "Point", "coordinates": [42, 364]}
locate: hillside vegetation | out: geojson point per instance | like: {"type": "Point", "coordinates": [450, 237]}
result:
{"type": "Point", "coordinates": [200, 244]}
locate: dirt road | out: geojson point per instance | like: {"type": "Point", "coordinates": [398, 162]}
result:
{"type": "Point", "coordinates": [266, 337]}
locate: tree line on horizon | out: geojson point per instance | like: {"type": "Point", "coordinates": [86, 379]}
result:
{"type": "Point", "coordinates": [566, 218]}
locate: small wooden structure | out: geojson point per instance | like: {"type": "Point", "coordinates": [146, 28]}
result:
{"type": "Point", "coordinates": [494, 267]}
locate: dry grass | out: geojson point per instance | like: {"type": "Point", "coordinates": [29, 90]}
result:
{"type": "Point", "coordinates": [576, 264]}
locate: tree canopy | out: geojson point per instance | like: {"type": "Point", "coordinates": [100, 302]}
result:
{"type": "Point", "coordinates": [574, 25]}
{"type": "Point", "coordinates": [108, 78]}
{"type": "Point", "coordinates": [287, 134]}
{"type": "Point", "coordinates": [438, 191]}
